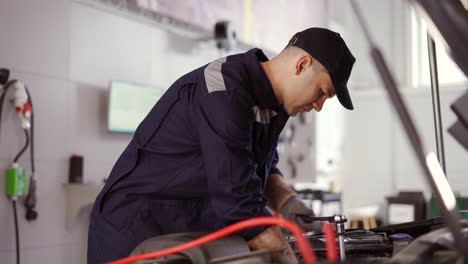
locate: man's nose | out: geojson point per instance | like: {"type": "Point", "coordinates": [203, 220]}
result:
{"type": "Point", "coordinates": [317, 105]}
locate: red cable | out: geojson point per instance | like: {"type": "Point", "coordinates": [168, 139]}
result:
{"type": "Point", "coordinates": [330, 242]}
{"type": "Point", "coordinates": [303, 244]}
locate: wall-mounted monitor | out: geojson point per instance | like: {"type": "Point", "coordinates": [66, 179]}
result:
{"type": "Point", "coordinates": [129, 103]}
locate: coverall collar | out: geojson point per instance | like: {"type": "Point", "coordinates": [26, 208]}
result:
{"type": "Point", "coordinates": [262, 90]}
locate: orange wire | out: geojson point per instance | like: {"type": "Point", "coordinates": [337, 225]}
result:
{"type": "Point", "coordinates": [330, 243]}
{"type": "Point", "coordinates": [302, 243]}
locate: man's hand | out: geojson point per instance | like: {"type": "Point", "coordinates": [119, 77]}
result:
{"type": "Point", "coordinates": [273, 239]}
{"type": "Point", "coordinates": [292, 210]}
{"type": "Point", "coordinates": [282, 199]}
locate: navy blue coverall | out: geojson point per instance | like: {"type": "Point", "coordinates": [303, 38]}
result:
{"type": "Point", "coordinates": [199, 160]}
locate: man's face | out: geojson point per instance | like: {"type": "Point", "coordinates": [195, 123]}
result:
{"type": "Point", "coordinates": [310, 91]}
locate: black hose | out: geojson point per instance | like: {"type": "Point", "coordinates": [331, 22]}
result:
{"type": "Point", "coordinates": [15, 213]}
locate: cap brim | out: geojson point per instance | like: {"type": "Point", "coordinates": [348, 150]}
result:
{"type": "Point", "coordinates": [343, 96]}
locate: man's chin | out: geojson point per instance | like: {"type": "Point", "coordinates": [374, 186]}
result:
{"type": "Point", "coordinates": [292, 112]}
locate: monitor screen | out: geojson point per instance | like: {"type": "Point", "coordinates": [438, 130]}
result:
{"type": "Point", "coordinates": [129, 103]}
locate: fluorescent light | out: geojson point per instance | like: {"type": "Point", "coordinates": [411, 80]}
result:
{"type": "Point", "coordinates": [441, 181]}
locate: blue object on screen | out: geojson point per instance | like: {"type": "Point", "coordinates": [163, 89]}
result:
{"type": "Point", "coordinates": [129, 103]}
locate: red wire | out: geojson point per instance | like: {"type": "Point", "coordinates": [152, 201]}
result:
{"type": "Point", "coordinates": [302, 243]}
{"type": "Point", "coordinates": [330, 242]}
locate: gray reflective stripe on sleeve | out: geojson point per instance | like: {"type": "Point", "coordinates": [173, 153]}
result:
{"type": "Point", "coordinates": [263, 115]}
{"type": "Point", "coordinates": [213, 76]}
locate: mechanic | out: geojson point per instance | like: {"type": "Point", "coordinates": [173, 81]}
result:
{"type": "Point", "coordinates": [205, 156]}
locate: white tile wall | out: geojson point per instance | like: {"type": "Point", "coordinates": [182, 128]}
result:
{"type": "Point", "coordinates": [368, 132]}
{"type": "Point", "coordinates": [35, 36]}
{"type": "Point", "coordinates": [388, 24]}
{"type": "Point", "coordinates": [66, 53]}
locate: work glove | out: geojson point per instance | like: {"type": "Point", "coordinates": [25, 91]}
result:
{"type": "Point", "coordinates": [294, 208]}
{"type": "Point", "coordinates": [282, 199]}
{"type": "Point", "coordinates": [273, 239]}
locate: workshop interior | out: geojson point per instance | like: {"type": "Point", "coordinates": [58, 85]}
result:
{"type": "Point", "coordinates": [387, 181]}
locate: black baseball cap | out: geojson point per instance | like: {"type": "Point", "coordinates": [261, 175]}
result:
{"type": "Point", "coordinates": [331, 51]}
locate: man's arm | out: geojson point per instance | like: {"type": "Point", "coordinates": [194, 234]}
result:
{"type": "Point", "coordinates": [224, 127]}
{"type": "Point", "coordinates": [277, 192]}
{"type": "Point", "coordinates": [282, 199]}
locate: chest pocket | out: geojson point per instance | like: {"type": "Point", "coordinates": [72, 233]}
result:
{"type": "Point", "coordinates": [264, 140]}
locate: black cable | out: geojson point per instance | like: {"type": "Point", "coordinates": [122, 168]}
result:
{"type": "Point", "coordinates": [3, 92]}
{"type": "Point", "coordinates": [15, 213]}
{"type": "Point", "coordinates": [2, 99]}
{"type": "Point", "coordinates": [30, 200]}
{"type": "Point", "coordinates": [33, 169]}
{"type": "Point", "coordinates": [26, 144]}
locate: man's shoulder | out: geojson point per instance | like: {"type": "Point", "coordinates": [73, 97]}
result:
{"type": "Point", "coordinates": [227, 75]}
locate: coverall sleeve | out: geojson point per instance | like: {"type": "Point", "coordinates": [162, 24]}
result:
{"type": "Point", "coordinates": [225, 131]}
{"type": "Point", "coordinates": [274, 168]}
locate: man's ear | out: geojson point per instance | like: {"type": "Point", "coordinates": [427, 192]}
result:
{"type": "Point", "coordinates": [303, 62]}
